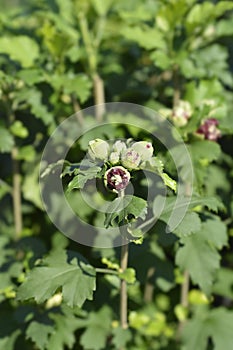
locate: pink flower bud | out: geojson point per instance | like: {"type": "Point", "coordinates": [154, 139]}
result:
{"type": "Point", "coordinates": [209, 129]}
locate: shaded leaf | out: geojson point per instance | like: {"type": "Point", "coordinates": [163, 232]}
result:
{"type": "Point", "coordinates": [126, 208]}
{"type": "Point", "coordinates": [200, 259]}
{"type": "Point", "coordinates": [75, 278]}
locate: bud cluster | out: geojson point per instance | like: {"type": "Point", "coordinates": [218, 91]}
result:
{"type": "Point", "coordinates": [121, 156]}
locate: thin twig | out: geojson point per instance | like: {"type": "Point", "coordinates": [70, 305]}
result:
{"type": "Point", "coordinates": [123, 286]}
{"type": "Point", "coordinates": [16, 194]}
{"type": "Point", "coordinates": [176, 82]}
{"type": "Point", "coordinates": [107, 271]}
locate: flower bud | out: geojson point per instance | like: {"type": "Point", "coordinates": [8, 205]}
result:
{"type": "Point", "coordinates": [209, 129]}
{"type": "Point", "coordinates": [119, 146]}
{"type": "Point", "coordinates": [144, 149]}
{"type": "Point", "coordinates": [130, 159]}
{"type": "Point", "coordinates": [114, 157]}
{"type": "Point", "coordinates": [181, 113]}
{"type": "Point", "coordinates": [117, 178]}
{"type": "Point", "coordinates": [98, 149]}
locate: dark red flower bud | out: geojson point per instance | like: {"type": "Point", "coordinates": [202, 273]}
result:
{"type": "Point", "coordinates": [117, 178]}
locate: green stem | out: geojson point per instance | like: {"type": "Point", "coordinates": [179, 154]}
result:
{"type": "Point", "coordinates": [123, 285]}
{"type": "Point", "coordinates": [99, 96]}
{"type": "Point", "coordinates": [107, 271]}
{"type": "Point", "coordinates": [16, 194]}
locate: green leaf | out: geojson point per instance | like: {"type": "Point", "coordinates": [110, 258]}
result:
{"type": "Point", "coordinates": [39, 333]}
{"type": "Point", "coordinates": [148, 38]}
{"type": "Point", "coordinates": [215, 231]}
{"type": "Point", "coordinates": [76, 279]}
{"type": "Point", "coordinates": [168, 181]}
{"type": "Point", "coordinates": [129, 275]}
{"type": "Point", "coordinates": [8, 342]}
{"type": "Point", "coordinates": [220, 328]}
{"type": "Point", "coordinates": [212, 203]}
{"type": "Point", "coordinates": [121, 337]}
{"type": "Point", "coordinates": [79, 85]}
{"type": "Point", "coordinates": [224, 282]}
{"type": "Point", "coordinates": [65, 325]}
{"type": "Point", "coordinates": [6, 140]}
{"type": "Point", "coordinates": [191, 223]}
{"type": "Point", "coordinates": [96, 332]}
{"type": "Point", "coordinates": [200, 259]}
{"type": "Point", "coordinates": [126, 208]}
{"type": "Point", "coordinates": [206, 150]}
{"type": "Point", "coordinates": [20, 48]}
{"type": "Point", "coordinates": [203, 13]}
{"type": "Point", "coordinates": [27, 153]}
{"type": "Point", "coordinates": [215, 324]}
{"type": "Point", "coordinates": [19, 130]}
{"type": "Point", "coordinates": [195, 335]}
{"type": "Point", "coordinates": [83, 176]}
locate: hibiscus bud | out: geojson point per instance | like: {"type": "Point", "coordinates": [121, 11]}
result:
{"type": "Point", "coordinates": [144, 149]}
{"type": "Point", "coordinates": [119, 146]}
{"type": "Point", "coordinates": [130, 159]}
{"type": "Point", "coordinates": [209, 129]}
{"type": "Point", "coordinates": [181, 113]}
{"type": "Point", "coordinates": [117, 178]}
{"type": "Point", "coordinates": [114, 157]}
{"type": "Point", "coordinates": [98, 149]}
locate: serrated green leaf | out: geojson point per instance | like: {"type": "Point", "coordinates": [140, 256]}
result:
{"type": "Point", "coordinates": [200, 259]}
{"type": "Point", "coordinates": [212, 203]}
{"type": "Point", "coordinates": [191, 223]}
{"type": "Point", "coordinates": [126, 208]}
{"type": "Point", "coordinates": [65, 325]}
{"type": "Point", "coordinates": [195, 335]}
{"type": "Point", "coordinates": [215, 231]}
{"type": "Point", "coordinates": [96, 333]}
{"type": "Point", "coordinates": [20, 48]}
{"type": "Point", "coordinates": [75, 278]}
{"type": "Point", "coordinates": [6, 140]}
{"type": "Point", "coordinates": [215, 324]}
{"type": "Point", "coordinates": [83, 176]}
{"type": "Point", "coordinates": [39, 333]}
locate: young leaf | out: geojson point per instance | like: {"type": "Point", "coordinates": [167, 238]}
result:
{"type": "Point", "coordinates": [125, 208]}
{"type": "Point", "coordinates": [76, 279]}
{"type": "Point", "coordinates": [84, 174]}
